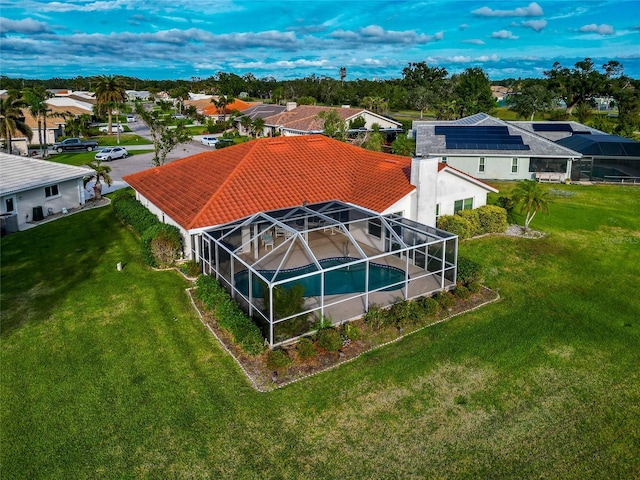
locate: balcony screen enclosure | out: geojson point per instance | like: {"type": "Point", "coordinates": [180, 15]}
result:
{"type": "Point", "coordinates": [289, 268]}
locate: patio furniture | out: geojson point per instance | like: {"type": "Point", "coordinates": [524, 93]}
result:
{"type": "Point", "coordinates": [267, 240]}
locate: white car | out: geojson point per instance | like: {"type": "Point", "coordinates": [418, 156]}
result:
{"type": "Point", "coordinates": [112, 153]}
{"type": "Point", "coordinates": [209, 141]}
{"type": "Point", "coordinates": [114, 128]}
{"type": "Point", "coordinates": [131, 118]}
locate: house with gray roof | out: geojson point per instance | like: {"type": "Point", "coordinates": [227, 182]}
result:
{"type": "Point", "coordinates": [489, 148]}
{"type": "Point", "coordinates": [31, 189]}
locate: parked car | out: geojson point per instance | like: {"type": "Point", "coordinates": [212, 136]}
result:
{"type": "Point", "coordinates": [75, 144]}
{"type": "Point", "coordinates": [131, 118]}
{"type": "Point", "coordinates": [114, 128]}
{"type": "Point", "coordinates": [209, 141]}
{"type": "Point", "coordinates": [179, 116]}
{"type": "Point", "coordinates": [112, 153]}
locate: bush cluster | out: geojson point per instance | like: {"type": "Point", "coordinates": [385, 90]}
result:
{"type": "Point", "coordinates": [329, 339]}
{"type": "Point", "coordinates": [161, 244]}
{"type": "Point", "coordinates": [278, 360]}
{"type": "Point", "coordinates": [306, 348]}
{"type": "Point", "coordinates": [132, 212]}
{"type": "Point", "coordinates": [243, 330]}
{"type": "Point", "coordinates": [191, 268]}
{"type": "Point", "coordinates": [469, 223]}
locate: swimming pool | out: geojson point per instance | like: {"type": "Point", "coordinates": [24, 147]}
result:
{"type": "Point", "coordinates": [349, 279]}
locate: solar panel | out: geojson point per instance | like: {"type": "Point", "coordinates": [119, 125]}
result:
{"type": "Point", "coordinates": [492, 137]}
{"type": "Point", "coordinates": [552, 127]}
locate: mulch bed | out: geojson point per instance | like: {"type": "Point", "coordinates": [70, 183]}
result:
{"type": "Point", "coordinates": [263, 379]}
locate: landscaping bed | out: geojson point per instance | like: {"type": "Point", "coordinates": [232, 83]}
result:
{"type": "Point", "coordinates": [266, 378]}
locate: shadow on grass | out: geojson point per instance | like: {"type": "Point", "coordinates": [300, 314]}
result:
{"type": "Point", "coordinates": [41, 266]}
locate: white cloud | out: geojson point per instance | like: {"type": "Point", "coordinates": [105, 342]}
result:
{"type": "Point", "coordinates": [79, 7]}
{"type": "Point", "coordinates": [603, 29]}
{"type": "Point", "coordinates": [377, 34]}
{"type": "Point", "coordinates": [27, 25]}
{"type": "Point", "coordinates": [301, 63]}
{"type": "Point", "coordinates": [474, 41]}
{"type": "Point", "coordinates": [537, 25]}
{"type": "Point", "coordinates": [460, 59]}
{"type": "Point", "coordinates": [488, 58]}
{"type": "Point", "coordinates": [504, 34]}
{"type": "Point", "coordinates": [532, 10]}
{"type": "Point", "coordinates": [463, 26]}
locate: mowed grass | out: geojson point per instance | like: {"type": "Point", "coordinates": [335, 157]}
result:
{"type": "Point", "coordinates": [109, 374]}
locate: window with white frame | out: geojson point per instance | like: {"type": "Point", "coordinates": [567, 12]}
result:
{"type": "Point", "coordinates": [464, 204]}
{"type": "Point", "coordinates": [51, 191]}
{"type": "Point", "coordinates": [514, 165]}
{"type": "Point", "coordinates": [375, 228]}
{"type": "Point", "coordinates": [481, 165]}
{"type": "Point", "coordinates": [444, 159]}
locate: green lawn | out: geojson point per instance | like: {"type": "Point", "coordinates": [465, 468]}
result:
{"type": "Point", "coordinates": [109, 374]}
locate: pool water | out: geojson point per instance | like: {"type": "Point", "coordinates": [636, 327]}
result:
{"type": "Point", "coordinates": [600, 171]}
{"type": "Point", "coordinates": [350, 279]}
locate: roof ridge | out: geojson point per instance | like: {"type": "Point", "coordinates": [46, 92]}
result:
{"type": "Point", "coordinates": [546, 140]}
{"type": "Point", "coordinates": [226, 181]}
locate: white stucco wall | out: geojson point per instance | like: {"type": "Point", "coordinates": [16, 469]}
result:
{"type": "Point", "coordinates": [70, 195]}
{"type": "Point", "coordinates": [495, 167]}
{"type": "Point", "coordinates": [451, 188]}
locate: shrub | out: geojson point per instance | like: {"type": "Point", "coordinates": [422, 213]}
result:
{"type": "Point", "coordinates": [375, 317]}
{"type": "Point", "coordinates": [445, 300]}
{"type": "Point", "coordinates": [134, 213]}
{"type": "Point", "coordinates": [404, 313]}
{"type": "Point", "coordinates": [461, 292]}
{"type": "Point", "coordinates": [229, 315]}
{"type": "Point", "coordinates": [350, 331]}
{"type": "Point", "coordinates": [430, 306]}
{"type": "Point", "coordinates": [329, 339]}
{"type": "Point", "coordinates": [278, 360]}
{"type": "Point", "coordinates": [492, 219]}
{"type": "Point", "coordinates": [472, 217]}
{"type": "Point", "coordinates": [468, 271]}
{"type": "Point", "coordinates": [191, 268]}
{"type": "Point", "coordinates": [474, 287]}
{"type": "Point", "coordinates": [455, 224]}
{"type": "Point", "coordinates": [306, 349]}
{"type": "Point", "coordinates": [161, 245]}
{"type": "Point", "coordinates": [508, 205]}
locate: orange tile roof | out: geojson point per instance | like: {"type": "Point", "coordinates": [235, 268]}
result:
{"type": "Point", "coordinates": [220, 186]}
{"type": "Point", "coordinates": [238, 105]}
{"type": "Point", "coordinates": [304, 117]}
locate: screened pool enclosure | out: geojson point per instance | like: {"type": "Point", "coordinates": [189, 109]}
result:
{"type": "Point", "coordinates": [289, 268]}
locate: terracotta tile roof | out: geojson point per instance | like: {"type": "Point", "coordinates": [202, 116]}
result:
{"type": "Point", "coordinates": [238, 105]}
{"type": "Point", "coordinates": [220, 186]}
{"type": "Point", "coordinates": [303, 118]}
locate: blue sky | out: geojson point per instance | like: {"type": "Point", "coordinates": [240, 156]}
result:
{"type": "Point", "coordinates": [163, 39]}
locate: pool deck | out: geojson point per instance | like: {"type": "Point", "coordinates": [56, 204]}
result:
{"type": "Point", "coordinates": [349, 306]}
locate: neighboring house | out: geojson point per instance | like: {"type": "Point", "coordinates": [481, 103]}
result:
{"type": "Point", "coordinates": [236, 105]}
{"type": "Point", "coordinates": [500, 93]}
{"type": "Point", "coordinates": [138, 94]}
{"type": "Point", "coordinates": [262, 110]}
{"type": "Point", "coordinates": [605, 157]}
{"type": "Point", "coordinates": [489, 148]}
{"type": "Point", "coordinates": [273, 173]}
{"type": "Point", "coordinates": [303, 120]}
{"type": "Point", "coordinates": [31, 187]}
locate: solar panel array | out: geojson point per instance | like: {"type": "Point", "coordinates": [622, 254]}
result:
{"type": "Point", "coordinates": [493, 137]}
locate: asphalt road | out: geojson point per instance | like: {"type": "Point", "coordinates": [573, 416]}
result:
{"type": "Point", "coordinates": [139, 162]}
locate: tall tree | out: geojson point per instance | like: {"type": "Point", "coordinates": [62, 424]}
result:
{"type": "Point", "coordinates": [12, 118]}
{"type": "Point", "coordinates": [36, 98]}
{"type": "Point", "coordinates": [473, 92]}
{"type": "Point", "coordinates": [426, 85]}
{"type": "Point", "coordinates": [221, 106]}
{"type": "Point", "coordinates": [530, 97]}
{"type": "Point", "coordinates": [531, 198]}
{"type": "Point", "coordinates": [109, 93]}
{"type": "Point", "coordinates": [576, 85]}
{"type": "Point", "coordinates": [332, 124]}
{"type": "Point", "coordinates": [257, 127]}
{"type": "Point", "coordinates": [180, 94]}
{"type": "Point", "coordinates": [403, 145]}
{"type": "Point", "coordinates": [164, 139]}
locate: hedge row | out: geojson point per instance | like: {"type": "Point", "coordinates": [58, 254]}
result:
{"type": "Point", "coordinates": [470, 223]}
{"type": "Point", "coordinates": [229, 316]}
{"type": "Point", "coordinates": [161, 244]}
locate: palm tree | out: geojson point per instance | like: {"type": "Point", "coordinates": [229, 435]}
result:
{"type": "Point", "coordinates": [12, 118]}
{"type": "Point", "coordinates": [221, 105]}
{"type": "Point", "coordinates": [257, 126]}
{"type": "Point", "coordinates": [36, 98]}
{"type": "Point", "coordinates": [532, 199]}
{"type": "Point", "coordinates": [109, 93]}
{"type": "Point", "coordinates": [101, 172]}
{"type": "Point", "coordinates": [246, 122]}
